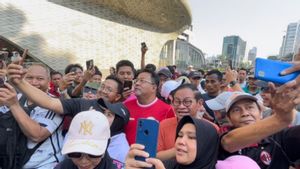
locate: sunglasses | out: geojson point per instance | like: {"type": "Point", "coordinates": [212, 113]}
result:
{"type": "Point", "coordinates": [80, 155]}
{"type": "Point", "coordinates": [88, 89]}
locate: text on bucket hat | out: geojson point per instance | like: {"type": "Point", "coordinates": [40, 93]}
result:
{"type": "Point", "coordinates": [89, 133]}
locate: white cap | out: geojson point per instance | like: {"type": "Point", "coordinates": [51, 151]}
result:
{"type": "Point", "coordinates": [168, 87]}
{"type": "Point", "coordinates": [89, 133]}
{"type": "Point", "coordinates": [226, 99]}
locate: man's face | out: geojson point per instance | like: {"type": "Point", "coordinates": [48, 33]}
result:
{"type": "Point", "coordinates": [38, 77]}
{"type": "Point", "coordinates": [144, 86]}
{"type": "Point", "coordinates": [109, 91]}
{"type": "Point", "coordinates": [56, 78]}
{"type": "Point", "coordinates": [212, 84]}
{"type": "Point", "coordinates": [96, 79]}
{"type": "Point", "coordinates": [185, 104]}
{"type": "Point", "coordinates": [125, 73]}
{"type": "Point", "coordinates": [79, 75]}
{"type": "Point", "coordinates": [266, 95]}
{"type": "Point", "coordinates": [242, 75]}
{"type": "Point", "coordinates": [251, 82]}
{"type": "Point", "coordinates": [244, 112]}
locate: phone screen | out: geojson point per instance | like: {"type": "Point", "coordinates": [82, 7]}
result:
{"type": "Point", "coordinates": [127, 85]}
{"type": "Point", "coordinates": [89, 64]}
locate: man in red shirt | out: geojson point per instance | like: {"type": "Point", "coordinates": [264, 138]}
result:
{"type": "Point", "coordinates": [146, 105]}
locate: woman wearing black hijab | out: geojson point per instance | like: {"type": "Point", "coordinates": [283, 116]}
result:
{"type": "Point", "coordinates": [196, 147]}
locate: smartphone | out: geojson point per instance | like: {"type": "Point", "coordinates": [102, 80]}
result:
{"type": "Point", "coordinates": [143, 44]}
{"type": "Point", "coordinates": [127, 85]}
{"type": "Point", "coordinates": [269, 70]}
{"type": "Point", "coordinates": [147, 134]}
{"type": "Point", "coordinates": [2, 83]}
{"type": "Point", "coordinates": [89, 64]}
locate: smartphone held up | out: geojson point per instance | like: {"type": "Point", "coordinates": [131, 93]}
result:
{"type": "Point", "coordinates": [147, 135]}
{"type": "Point", "coordinates": [269, 70]}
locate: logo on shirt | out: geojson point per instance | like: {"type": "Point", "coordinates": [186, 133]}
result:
{"type": "Point", "coordinates": [265, 157]}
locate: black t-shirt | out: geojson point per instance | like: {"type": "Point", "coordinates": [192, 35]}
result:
{"type": "Point", "coordinates": [275, 152]}
{"type": "Point", "coordinates": [73, 106]}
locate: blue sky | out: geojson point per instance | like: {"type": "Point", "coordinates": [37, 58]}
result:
{"type": "Point", "coordinates": [261, 23]}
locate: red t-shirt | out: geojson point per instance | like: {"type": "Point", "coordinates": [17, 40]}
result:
{"type": "Point", "coordinates": [157, 110]}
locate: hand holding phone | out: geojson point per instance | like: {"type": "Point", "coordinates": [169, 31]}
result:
{"type": "Point", "coordinates": [147, 134]}
{"type": "Point", "coordinates": [127, 85]}
{"type": "Point", "coordinates": [89, 64]}
{"type": "Point", "coordinates": [269, 70]}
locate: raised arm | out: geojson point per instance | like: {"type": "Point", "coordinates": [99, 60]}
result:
{"type": "Point", "coordinates": [284, 100]}
{"type": "Point", "coordinates": [15, 75]}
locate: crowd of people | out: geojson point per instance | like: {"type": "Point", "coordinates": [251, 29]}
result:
{"type": "Point", "coordinates": [208, 119]}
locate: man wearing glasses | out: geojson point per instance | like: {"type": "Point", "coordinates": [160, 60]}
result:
{"type": "Point", "coordinates": [146, 104]}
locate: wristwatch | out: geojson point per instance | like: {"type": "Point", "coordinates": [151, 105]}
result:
{"type": "Point", "coordinates": [232, 83]}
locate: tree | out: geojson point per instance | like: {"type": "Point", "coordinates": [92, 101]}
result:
{"type": "Point", "coordinates": [274, 57]}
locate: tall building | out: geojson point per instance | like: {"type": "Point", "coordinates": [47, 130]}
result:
{"type": "Point", "coordinates": [234, 50]}
{"type": "Point", "coordinates": [291, 40]}
{"type": "Point", "coordinates": [252, 54]}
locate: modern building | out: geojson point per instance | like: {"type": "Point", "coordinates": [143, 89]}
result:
{"type": "Point", "coordinates": [252, 54]}
{"type": "Point", "coordinates": [291, 40]}
{"type": "Point", "coordinates": [234, 50]}
{"type": "Point", "coordinates": [60, 32]}
{"type": "Point", "coordinates": [182, 53]}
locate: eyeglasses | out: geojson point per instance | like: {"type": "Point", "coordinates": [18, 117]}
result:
{"type": "Point", "coordinates": [185, 102]}
{"type": "Point", "coordinates": [106, 89]}
{"type": "Point", "coordinates": [80, 155]}
{"type": "Point", "coordinates": [88, 89]}
{"type": "Point", "coordinates": [142, 81]}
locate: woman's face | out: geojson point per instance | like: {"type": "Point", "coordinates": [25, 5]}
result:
{"type": "Point", "coordinates": [85, 162]}
{"type": "Point", "coordinates": [186, 144]}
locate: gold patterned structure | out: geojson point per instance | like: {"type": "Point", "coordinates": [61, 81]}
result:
{"type": "Point", "coordinates": [60, 32]}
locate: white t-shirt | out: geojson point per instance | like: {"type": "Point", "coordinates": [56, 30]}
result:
{"type": "Point", "coordinates": [45, 157]}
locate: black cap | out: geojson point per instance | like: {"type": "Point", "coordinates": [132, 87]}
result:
{"type": "Point", "coordinates": [194, 74]}
{"type": "Point", "coordinates": [165, 72]}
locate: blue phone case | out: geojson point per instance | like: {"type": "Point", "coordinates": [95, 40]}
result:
{"type": "Point", "coordinates": [147, 134]}
{"type": "Point", "coordinates": [269, 70]}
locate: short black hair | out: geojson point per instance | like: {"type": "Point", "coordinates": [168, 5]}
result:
{"type": "Point", "coordinates": [151, 67]}
{"type": "Point", "coordinates": [70, 66]}
{"type": "Point", "coordinates": [216, 72]}
{"type": "Point", "coordinates": [122, 63]}
{"type": "Point", "coordinates": [118, 81]}
{"type": "Point", "coordinates": [97, 71]}
{"type": "Point", "coordinates": [197, 94]}
{"type": "Point", "coordinates": [154, 76]}
{"type": "Point", "coordinates": [55, 73]}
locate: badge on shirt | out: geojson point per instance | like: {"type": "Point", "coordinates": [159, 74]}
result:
{"type": "Point", "coordinates": [265, 157]}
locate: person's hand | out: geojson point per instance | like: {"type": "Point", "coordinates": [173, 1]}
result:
{"type": "Point", "coordinates": [126, 94]}
{"type": "Point", "coordinates": [144, 50]}
{"type": "Point", "coordinates": [3, 71]}
{"type": "Point", "coordinates": [137, 150]}
{"type": "Point", "coordinates": [67, 80]}
{"type": "Point", "coordinates": [284, 99]}
{"type": "Point", "coordinates": [15, 73]}
{"type": "Point", "coordinates": [295, 67]}
{"type": "Point", "coordinates": [8, 95]}
{"type": "Point", "coordinates": [88, 74]}
{"type": "Point", "coordinates": [230, 75]}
